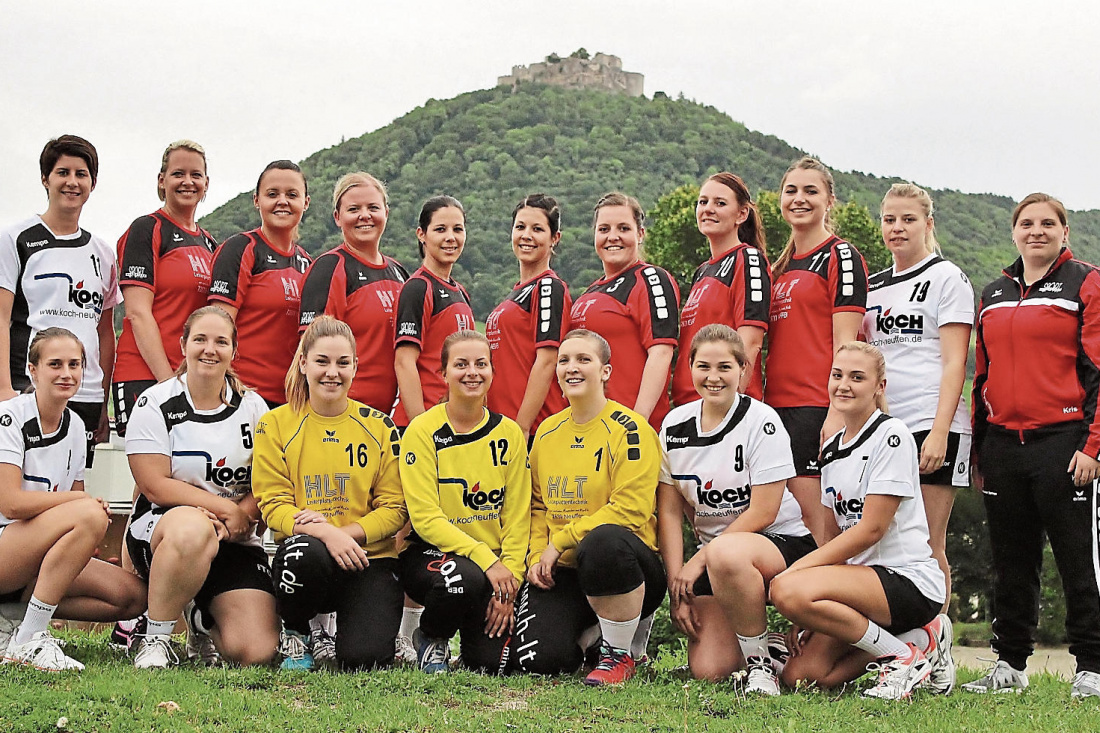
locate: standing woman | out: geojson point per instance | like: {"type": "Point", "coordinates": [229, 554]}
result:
{"type": "Point", "coordinates": [432, 306]}
{"type": "Point", "coordinates": [49, 528]}
{"type": "Point", "coordinates": [819, 295]}
{"type": "Point", "coordinates": [919, 315]}
{"type": "Point", "coordinates": [53, 273]}
{"type": "Point", "coordinates": [874, 578]}
{"type": "Point", "coordinates": [526, 329]}
{"type": "Point", "coordinates": [469, 495]}
{"type": "Point", "coordinates": [593, 557]}
{"type": "Point", "coordinates": [258, 278]}
{"type": "Point", "coordinates": [633, 306]}
{"type": "Point", "coordinates": [194, 535]}
{"type": "Point", "coordinates": [359, 285]}
{"type": "Point", "coordinates": [337, 550]}
{"type": "Point", "coordinates": [726, 460]}
{"type": "Point", "coordinates": [164, 259]}
{"type": "Point", "coordinates": [732, 287]}
{"type": "Point", "coordinates": [1037, 433]}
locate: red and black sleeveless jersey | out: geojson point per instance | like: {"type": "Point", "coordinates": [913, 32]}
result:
{"type": "Point", "coordinates": [159, 254]}
{"type": "Point", "coordinates": [364, 296]}
{"type": "Point", "coordinates": [831, 278]}
{"type": "Point", "coordinates": [428, 311]}
{"type": "Point", "coordinates": [535, 315]}
{"type": "Point", "coordinates": [1038, 351]}
{"type": "Point", "coordinates": [633, 310]}
{"type": "Point", "coordinates": [265, 286]}
{"type": "Point", "coordinates": [733, 288]}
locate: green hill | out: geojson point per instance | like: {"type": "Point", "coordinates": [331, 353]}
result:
{"type": "Point", "coordinates": [491, 147]}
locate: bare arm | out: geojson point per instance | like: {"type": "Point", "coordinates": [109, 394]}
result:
{"type": "Point", "coordinates": [15, 503]}
{"type": "Point", "coordinates": [408, 379]}
{"type": "Point", "coordinates": [538, 386]}
{"type": "Point", "coordinates": [231, 310]}
{"type": "Point", "coordinates": [139, 312]}
{"type": "Point", "coordinates": [764, 503]}
{"type": "Point", "coordinates": [954, 344]}
{"type": "Point", "coordinates": [106, 332]}
{"type": "Point", "coordinates": [153, 474]}
{"type": "Point", "coordinates": [878, 512]}
{"type": "Point", "coordinates": [753, 338]}
{"type": "Point", "coordinates": [654, 379]}
{"type": "Point", "coordinates": [7, 298]}
{"type": "Point", "coordinates": [670, 535]}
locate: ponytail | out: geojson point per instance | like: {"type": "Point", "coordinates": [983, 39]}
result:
{"type": "Point", "coordinates": [296, 385]}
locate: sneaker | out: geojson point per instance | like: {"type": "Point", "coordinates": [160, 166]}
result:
{"type": "Point", "coordinates": [154, 651]}
{"type": "Point", "coordinates": [200, 647]}
{"type": "Point", "coordinates": [11, 615]}
{"type": "Point", "coordinates": [777, 650]}
{"type": "Point", "coordinates": [141, 626]}
{"type": "Point", "coordinates": [1001, 677]}
{"type": "Point", "coordinates": [432, 655]}
{"type": "Point", "coordinates": [615, 667]}
{"type": "Point", "coordinates": [324, 648]}
{"type": "Point", "coordinates": [762, 679]}
{"type": "Point", "coordinates": [405, 653]}
{"type": "Point", "coordinates": [898, 677]}
{"type": "Point", "coordinates": [1086, 684]}
{"type": "Point", "coordinates": [941, 681]}
{"type": "Point", "coordinates": [295, 648]}
{"type": "Point", "coordinates": [41, 652]}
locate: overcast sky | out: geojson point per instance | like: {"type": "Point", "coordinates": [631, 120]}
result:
{"type": "Point", "coordinates": [982, 96]}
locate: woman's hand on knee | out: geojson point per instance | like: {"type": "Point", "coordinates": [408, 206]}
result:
{"type": "Point", "coordinates": [499, 617]}
{"type": "Point", "coordinates": [683, 615]}
{"type": "Point", "coordinates": [344, 550]}
{"type": "Point", "coordinates": [504, 584]}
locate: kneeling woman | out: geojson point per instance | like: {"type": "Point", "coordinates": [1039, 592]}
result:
{"type": "Point", "coordinates": [50, 528]}
{"type": "Point", "coordinates": [193, 535]}
{"type": "Point", "coordinates": [327, 482]}
{"type": "Point", "coordinates": [726, 460]}
{"type": "Point", "coordinates": [875, 577]}
{"type": "Point", "coordinates": [593, 557]}
{"type": "Point", "coordinates": [468, 489]}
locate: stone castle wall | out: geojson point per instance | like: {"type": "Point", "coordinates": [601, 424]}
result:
{"type": "Point", "coordinates": [601, 71]}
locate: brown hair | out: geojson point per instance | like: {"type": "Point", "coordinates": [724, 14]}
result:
{"type": "Point", "coordinates": [616, 198]}
{"type": "Point", "coordinates": [190, 145]}
{"type": "Point", "coordinates": [1041, 198]}
{"type": "Point", "coordinates": [72, 145]}
{"type": "Point", "coordinates": [350, 181]}
{"type": "Point", "coordinates": [805, 163]}
{"type": "Point", "coordinates": [603, 349]}
{"type": "Point", "coordinates": [918, 194]}
{"type": "Point", "coordinates": [34, 351]}
{"type": "Point", "coordinates": [719, 333]}
{"type": "Point", "coordinates": [295, 384]}
{"type": "Point", "coordinates": [465, 334]}
{"type": "Point", "coordinates": [235, 382]}
{"type": "Point", "coordinates": [863, 347]}
{"type": "Point", "coordinates": [751, 230]}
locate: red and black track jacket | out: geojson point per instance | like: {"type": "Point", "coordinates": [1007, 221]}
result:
{"type": "Point", "coordinates": [1038, 351]}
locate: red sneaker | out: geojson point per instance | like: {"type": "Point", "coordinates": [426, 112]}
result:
{"type": "Point", "coordinates": [615, 667]}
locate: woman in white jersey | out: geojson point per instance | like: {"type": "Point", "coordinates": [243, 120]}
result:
{"type": "Point", "coordinates": [193, 534]}
{"type": "Point", "coordinates": [919, 315]}
{"type": "Point", "coordinates": [50, 528]}
{"type": "Point", "coordinates": [875, 576]}
{"type": "Point", "coordinates": [726, 460]}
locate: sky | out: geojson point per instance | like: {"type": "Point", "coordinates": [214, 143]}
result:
{"type": "Point", "coordinates": [972, 95]}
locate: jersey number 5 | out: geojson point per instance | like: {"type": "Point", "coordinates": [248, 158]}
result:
{"type": "Point", "coordinates": [246, 436]}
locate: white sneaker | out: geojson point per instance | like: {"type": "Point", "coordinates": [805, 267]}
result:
{"type": "Point", "coordinates": [1001, 677]}
{"type": "Point", "coordinates": [42, 652]}
{"type": "Point", "coordinates": [11, 615]}
{"type": "Point", "coordinates": [405, 653]}
{"type": "Point", "coordinates": [899, 677]}
{"type": "Point", "coordinates": [941, 681]}
{"type": "Point", "coordinates": [762, 679]}
{"type": "Point", "coordinates": [200, 647]}
{"type": "Point", "coordinates": [155, 652]}
{"type": "Point", "coordinates": [324, 648]}
{"type": "Point", "coordinates": [777, 650]}
{"type": "Point", "coordinates": [1086, 684]}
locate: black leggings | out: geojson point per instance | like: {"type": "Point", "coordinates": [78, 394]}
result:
{"type": "Point", "coordinates": [368, 602]}
{"type": "Point", "coordinates": [455, 593]}
{"type": "Point", "coordinates": [611, 561]}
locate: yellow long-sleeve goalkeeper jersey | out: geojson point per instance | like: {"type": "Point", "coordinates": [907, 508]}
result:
{"type": "Point", "coordinates": [469, 493]}
{"type": "Point", "coordinates": [602, 472]}
{"type": "Point", "coordinates": [344, 467]}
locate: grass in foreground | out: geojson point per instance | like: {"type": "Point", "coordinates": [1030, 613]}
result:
{"type": "Point", "coordinates": [112, 696]}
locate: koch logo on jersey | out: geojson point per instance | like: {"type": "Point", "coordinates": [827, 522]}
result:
{"type": "Point", "coordinates": [78, 296]}
{"type": "Point", "coordinates": [476, 498]}
{"type": "Point", "coordinates": [734, 498]}
{"type": "Point", "coordinates": [893, 323]}
{"type": "Point", "coordinates": [237, 479]}
{"type": "Point", "coordinates": [850, 510]}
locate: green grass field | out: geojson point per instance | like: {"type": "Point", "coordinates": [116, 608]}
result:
{"type": "Point", "coordinates": [111, 696]}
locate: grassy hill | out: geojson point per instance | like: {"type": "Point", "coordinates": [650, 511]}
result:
{"type": "Point", "coordinates": [491, 147]}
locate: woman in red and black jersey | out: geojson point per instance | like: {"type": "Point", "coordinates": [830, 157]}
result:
{"type": "Point", "coordinates": [634, 307]}
{"type": "Point", "coordinates": [258, 279]}
{"type": "Point", "coordinates": [1037, 436]}
{"type": "Point", "coordinates": [164, 262]}
{"type": "Point", "coordinates": [732, 287]}
{"type": "Point", "coordinates": [526, 329]}
{"type": "Point", "coordinates": [432, 306]}
{"type": "Point", "coordinates": [819, 295]}
{"type": "Point", "coordinates": [359, 285]}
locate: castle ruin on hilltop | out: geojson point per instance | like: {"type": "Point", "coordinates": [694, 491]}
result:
{"type": "Point", "coordinates": [578, 71]}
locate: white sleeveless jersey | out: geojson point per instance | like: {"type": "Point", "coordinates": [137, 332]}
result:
{"type": "Point", "coordinates": [716, 470]}
{"type": "Point", "coordinates": [905, 311]}
{"type": "Point", "coordinates": [210, 449]}
{"type": "Point", "coordinates": [48, 462]}
{"type": "Point", "coordinates": [57, 281]}
{"type": "Point", "coordinates": [882, 459]}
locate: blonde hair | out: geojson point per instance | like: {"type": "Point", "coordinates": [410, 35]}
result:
{"type": "Point", "coordinates": [918, 194]}
{"type": "Point", "coordinates": [190, 145]}
{"type": "Point", "coordinates": [296, 385]}
{"type": "Point", "coordinates": [235, 383]}
{"type": "Point", "coordinates": [358, 178]}
{"type": "Point", "coordinates": [722, 334]}
{"type": "Point", "coordinates": [862, 347]}
{"type": "Point", "coordinates": [603, 349]}
{"type": "Point", "coordinates": [805, 163]}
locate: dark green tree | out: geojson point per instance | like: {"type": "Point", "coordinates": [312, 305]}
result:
{"type": "Point", "coordinates": [672, 239]}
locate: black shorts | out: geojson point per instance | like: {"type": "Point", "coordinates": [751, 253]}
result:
{"type": "Point", "coordinates": [125, 395]}
{"type": "Point", "coordinates": [955, 470]}
{"type": "Point", "coordinates": [804, 424]}
{"type": "Point", "coordinates": [15, 596]}
{"type": "Point", "coordinates": [90, 413]}
{"type": "Point", "coordinates": [909, 608]}
{"type": "Point", "coordinates": [790, 547]}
